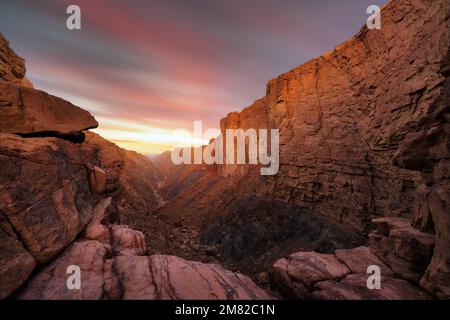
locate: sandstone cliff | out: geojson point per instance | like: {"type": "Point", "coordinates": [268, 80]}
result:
{"type": "Point", "coordinates": [363, 180]}
{"type": "Point", "coordinates": [363, 135]}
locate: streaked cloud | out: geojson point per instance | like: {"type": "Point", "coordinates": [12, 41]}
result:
{"type": "Point", "coordinates": [146, 68]}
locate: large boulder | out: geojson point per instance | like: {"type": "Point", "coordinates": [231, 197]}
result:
{"type": "Point", "coordinates": [176, 278]}
{"type": "Point", "coordinates": [44, 194]}
{"type": "Point", "coordinates": [360, 258]}
{"type": "Point", "coordinates": [428, 151]}
{"type": "Point", "coordinates": [32, 112]}
{"type": "Point", "coordinates": [343, 116]}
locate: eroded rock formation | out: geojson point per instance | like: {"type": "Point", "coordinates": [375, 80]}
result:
{"type": "Point", "coordinates": [113, 266]}
{"type": "Point", "coordinates": [12, 67]}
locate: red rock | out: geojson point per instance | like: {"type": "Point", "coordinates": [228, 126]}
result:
{"type": "Point", "coordinates": [364, 132]}
{"type": "Point", "coordinates": [359, 259]}
{"type": "Point", "coordinates": [428, 151]}
{"type": "Point", "coordinates": [406, 249]}
{"type": "Point", "coordinates": [51, 282]}
{"type": "Point", "coordinates": [28, 111]}
{"type": "Point", "coordinates": [298, 274]}
{"type": "Point", "coordinates": [95, 230]}
{"type": "Point", "coordinates": [342, 117]}
{"type": "Point", "coordinates": [408, 242]}
{"type": "Point", "coordinates": [16, 264]}
{"type": "Point", "coordinates": [127, 241]}
{"type": "Point", "coordinates": [385, 225]}
{"type": "Point", "coordinates": [97, 178]}
{"type": "Point", "coordinates": [282, 282]}
{"type": "Point", "coordinates": [136, 277]}
{"type": "Point", "coordinates": [354, 124]}
{"type": "Point", "coordinates": [177, 278]}
{"type": "Point", "coordinates": [112, 286]}
{"type": "Point", "coordinates": [310, 267]}
{"type": "Point", "coordinates": [58, 201]}
{"type": "Point", "coordinates": [12, 67]}
{"type": "Point", "coordinates": [354, 287]}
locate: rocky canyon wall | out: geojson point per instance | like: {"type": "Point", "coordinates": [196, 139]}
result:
{"type": "Point", "coordinates": [343, 115]}
{"type": "Point", "coordinates": [351, 121]}
{"type": "Point", "coordinates": [364, 142]}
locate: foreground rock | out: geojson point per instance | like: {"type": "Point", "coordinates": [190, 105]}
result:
{"type": "Point", "coordinates": [406, 249]}
{"type": "Point", "coordinates": [364, 133]}
{"type": "Point", "coordinates": [343, 276]}
{"type": "Point", "coordinates": [354, 287]}
{"type": "Point", "coordinates": [51, 187]}
{"type": "Point", "coordinates": [137, 277]}
{"type": "Point", "coordinates": [51, 283]}
{"type": "Point", "coordinates": [16, 264]}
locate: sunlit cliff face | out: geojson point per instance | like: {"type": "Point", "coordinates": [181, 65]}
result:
{"type": "Point", "coordinates": [146, 68]}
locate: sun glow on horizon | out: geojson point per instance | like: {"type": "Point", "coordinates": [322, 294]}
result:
{"type": "Point", "coordinates": [146, 139]}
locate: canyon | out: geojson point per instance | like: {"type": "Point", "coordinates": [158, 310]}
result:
{"type": "Point", "coordinates": [363, 179]}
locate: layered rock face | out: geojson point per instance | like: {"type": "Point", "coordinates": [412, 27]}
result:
{"type": "Point", "coordinates": [365, 149]}
{"type": "Point", "coordinates": [363, 135]}
{"type": "Point", "coordinates": [402, 121]}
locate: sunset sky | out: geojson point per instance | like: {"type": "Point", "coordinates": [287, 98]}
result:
{"type": "Point", "coordinates": [146, 68]}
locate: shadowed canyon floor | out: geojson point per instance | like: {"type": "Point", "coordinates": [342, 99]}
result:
{"type": "Point", "coordinates": [364, 180]}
